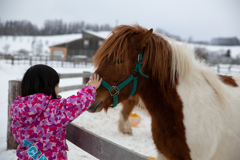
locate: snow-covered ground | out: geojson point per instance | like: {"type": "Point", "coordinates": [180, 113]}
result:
{"type": "Point", "coordinates": [103, 124]}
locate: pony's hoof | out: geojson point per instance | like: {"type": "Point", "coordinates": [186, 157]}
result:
{"type": "Point", "coordinates": [125, 129]}
{"type": "Point", "coordinates": [129, 133]}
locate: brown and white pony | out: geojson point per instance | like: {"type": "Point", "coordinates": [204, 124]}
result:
{"type": "Point", "coordinates": [195, 113]}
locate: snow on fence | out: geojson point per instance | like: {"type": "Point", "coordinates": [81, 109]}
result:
{"type": "Point", "coordinates": [95, 145]}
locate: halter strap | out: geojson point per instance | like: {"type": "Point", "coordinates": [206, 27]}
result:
{"type": "Point", "coordinates": [137, 69]}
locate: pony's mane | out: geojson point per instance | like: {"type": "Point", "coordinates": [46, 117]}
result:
{"type": "Point", "coordinates": [185, 66]}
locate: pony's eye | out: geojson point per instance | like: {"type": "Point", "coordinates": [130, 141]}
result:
{"type": "Point", "coordinates": [118, 62]}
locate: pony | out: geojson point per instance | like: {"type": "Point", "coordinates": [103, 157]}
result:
{"type": "Point", "coordinates": [195, 113]}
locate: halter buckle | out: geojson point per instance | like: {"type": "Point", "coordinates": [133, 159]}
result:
{"type": "Point", "coordinates": [140, 59]}
{"type": "Point", "coordinates": [114, 88]}
{"type": "Point", "coordinates": [134, 73]}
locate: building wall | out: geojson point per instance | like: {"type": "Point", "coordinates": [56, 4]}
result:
{"type": "Point", "coordinates": [85, 46]}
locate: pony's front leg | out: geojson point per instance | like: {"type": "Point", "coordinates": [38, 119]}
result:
{"type": "Point", "coordinates": [123, 123]}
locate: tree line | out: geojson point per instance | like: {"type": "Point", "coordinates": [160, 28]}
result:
{"type": "Point", "coordinates": [50, 27]}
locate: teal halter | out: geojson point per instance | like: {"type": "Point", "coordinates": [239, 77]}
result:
{"type": "Point", "coordinates": [137, 69]}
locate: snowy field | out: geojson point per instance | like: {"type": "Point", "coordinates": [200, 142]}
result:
{"type": "Point", "coordinates": [103, 124]}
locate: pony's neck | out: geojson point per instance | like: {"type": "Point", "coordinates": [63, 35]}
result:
{"type": "Point", "coordinates": [158, 97]}
{"type": "Point", "coordinates": [166, 110]}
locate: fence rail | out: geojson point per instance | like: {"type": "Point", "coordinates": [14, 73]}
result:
{"type": "Point", "coordinates": [48, 60]}
{"type": "Point", "coordinates": [99, 147]}
{"type": "Point", "coordinates": [84, 75]}
{"type": "Point", "coordinates": [95, 145]}
{"type": "Point", "coordinates": [226, 69]}
{"type": "Point", "coordinates": [73, 75]}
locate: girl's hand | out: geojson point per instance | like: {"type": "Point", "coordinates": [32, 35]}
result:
{"type": "Point", "coordinates": [95, 81]}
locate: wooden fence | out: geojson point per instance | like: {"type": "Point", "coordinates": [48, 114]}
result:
{"type": "Point", "coordinates": [95, 145]}
{"type": "Point", "coordinates": [47, 60]}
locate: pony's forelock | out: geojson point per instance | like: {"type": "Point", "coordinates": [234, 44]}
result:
{"type": "Point", "coordinates": [116, 46]}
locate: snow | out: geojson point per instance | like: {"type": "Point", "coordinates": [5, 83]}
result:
{"type": "Point", "coordinates": [103, 124]}
{"type": "Point", "coordinates": [17, 43]}
{"type": "Point", "coordinates": [101, 34]}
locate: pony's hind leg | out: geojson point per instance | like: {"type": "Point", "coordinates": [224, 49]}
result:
{"type": "Point", "coordinates": [127, 107]}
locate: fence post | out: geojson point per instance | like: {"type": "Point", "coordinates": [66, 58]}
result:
{"type": "Point", "coordinates": [13, 90]}
{"type": "Point", "coordinates": [46, 60]}
{"type": "Point", "coordinates": [229, 69]}
{"type": "Point", "coordinates": [74, 63]}
{"type": "Point", "coordinates": [12, 60]}
{"type": "Point", "coordinates": [85, 79]}
{"type": "Point", "coordinates": [30, 60]}
{"type": "Point", "coordinates": [62, 62]}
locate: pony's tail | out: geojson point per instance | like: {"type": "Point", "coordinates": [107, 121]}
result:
{"type": "Point", "coordinates": [215, 82]}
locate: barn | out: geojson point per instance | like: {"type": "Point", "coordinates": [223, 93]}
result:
{"type": "Point", "coordinates": [85, 47]}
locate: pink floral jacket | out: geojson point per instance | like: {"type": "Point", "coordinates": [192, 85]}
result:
{"type": "Point", "coordinates": [39, 123]}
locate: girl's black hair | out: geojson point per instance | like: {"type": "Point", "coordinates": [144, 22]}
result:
{"type": "Point", "coordinates": [40, 79]}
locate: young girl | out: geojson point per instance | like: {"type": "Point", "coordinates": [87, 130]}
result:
{"type": "Point", "coordinates": [40, 118]}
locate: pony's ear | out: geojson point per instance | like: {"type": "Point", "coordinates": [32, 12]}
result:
{"type": "Point", "coordinates": [144, 38]}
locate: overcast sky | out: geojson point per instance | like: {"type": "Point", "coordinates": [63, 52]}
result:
{"type": "Point", "coordinates": [199, 19]}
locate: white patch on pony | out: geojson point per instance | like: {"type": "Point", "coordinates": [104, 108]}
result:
{"type": "Point", "coordinates": [211, 108]}
{"type": "Point", "coordinates": [141, 104]}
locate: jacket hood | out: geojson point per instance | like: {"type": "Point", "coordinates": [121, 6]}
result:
{"type": "Point", "coordinates": [27, 109]}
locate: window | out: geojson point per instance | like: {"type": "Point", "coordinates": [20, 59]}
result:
{"type": "Point", "coordinates": [100, 42]}
{"type": "Point", "coordinates": [86, 43]}
{"type": "Point", "coordinates": [58, 52]}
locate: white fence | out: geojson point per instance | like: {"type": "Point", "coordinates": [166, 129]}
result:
{"type": "Point", "coordinates": [226, 69]}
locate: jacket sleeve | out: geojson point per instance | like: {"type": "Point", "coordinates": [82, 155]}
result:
{"type": "Point", "coordinates": [70, 108]}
